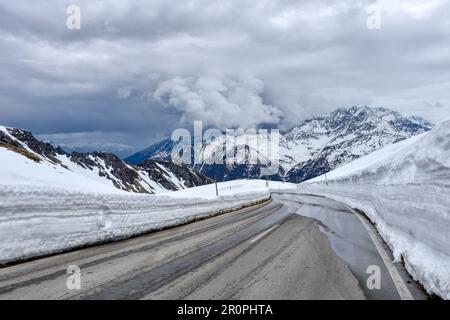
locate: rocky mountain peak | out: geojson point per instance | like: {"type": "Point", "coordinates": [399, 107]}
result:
{"type": "Point", "coordinates": [316, 145]}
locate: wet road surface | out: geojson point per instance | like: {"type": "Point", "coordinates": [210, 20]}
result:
{"type": "Point", "coordinates": [294, 247]}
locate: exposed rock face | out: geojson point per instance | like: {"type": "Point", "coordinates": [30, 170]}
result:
{"type": "Point", "coordinates": [157, 171]}
{"type": "Point", "coordinates": [39, 147]}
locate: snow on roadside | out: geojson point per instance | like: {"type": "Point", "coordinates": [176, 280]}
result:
{"type": "Point", "coordinates": [232, 187]}
{"type": "Point", "coordinates": [404, 189]}
{"type": "Point", "coordinates": [40, 220]}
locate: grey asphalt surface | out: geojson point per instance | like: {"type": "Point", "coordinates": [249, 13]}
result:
{"type": "Point", "coordinates": [294, 247]}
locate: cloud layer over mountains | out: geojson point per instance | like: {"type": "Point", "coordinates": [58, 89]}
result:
{"type": "Point", "coordinates": [137, 69]}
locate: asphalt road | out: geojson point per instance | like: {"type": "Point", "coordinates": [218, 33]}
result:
{"type": "Point", "coordinates": [294, 247]}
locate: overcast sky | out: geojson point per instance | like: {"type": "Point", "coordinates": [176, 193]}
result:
{"type": "Point", "coordinates": [138, 69]}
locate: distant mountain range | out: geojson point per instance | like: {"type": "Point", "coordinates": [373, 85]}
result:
{"type": "Point", "coordinates": [27, 160]}
{"type": "Point", "coordinates": [314, 147]}
{"type": "Point", "coordinates": [120, 150]}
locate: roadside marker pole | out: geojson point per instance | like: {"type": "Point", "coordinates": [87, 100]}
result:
{"type": "Point", "coordinates": [217, 189]}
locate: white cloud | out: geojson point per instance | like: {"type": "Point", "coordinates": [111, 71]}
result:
{"type": "Point", "coordinates": [415, 9]}
{"type": "Point", "coordinates": [222, 103]}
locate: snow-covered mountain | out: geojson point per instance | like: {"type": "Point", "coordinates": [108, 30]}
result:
{"type": "Point", "coordinates": [26, 160]}
{"type": "Point", "coordinates": [314, 147]}
{"type": "Point", "coordinates": [159, 151]}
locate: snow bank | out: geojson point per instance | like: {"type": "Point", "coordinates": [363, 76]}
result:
{"type": "Point", "coordinates": [405, 190]}
{"type": "Point", "coordinates": [41, 220]}
{"type": "Point", "coordinates": [232, 188]}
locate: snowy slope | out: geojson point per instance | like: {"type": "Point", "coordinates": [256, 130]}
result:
{"type": "Point", "coordinates": [314, 147]}
{"type": "Point", "coordinates": [405, 190]}
{"type": "Point", "coordinates": [40, 220]}
{"type": "Point", "coordinates": [15, 169]}
{"type": "Point", "coordinates": [24, 160]}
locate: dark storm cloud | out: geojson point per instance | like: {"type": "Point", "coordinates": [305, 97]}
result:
{"type": "Point", "coordinates": [138, 69]}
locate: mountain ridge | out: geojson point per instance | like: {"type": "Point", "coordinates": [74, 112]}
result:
{"type": "Point", "coordinates": [315, 146]}
{"type": "Point", "coordinates": [106, 168]}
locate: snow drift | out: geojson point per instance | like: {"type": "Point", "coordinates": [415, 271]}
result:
{"type": "Point", "coordinates": [36, 221]}
{"type": "Point", "coordinates": [405, 190]}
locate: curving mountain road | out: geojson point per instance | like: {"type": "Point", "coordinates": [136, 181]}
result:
{"type": "Point", "coordinates": [293, 247]}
